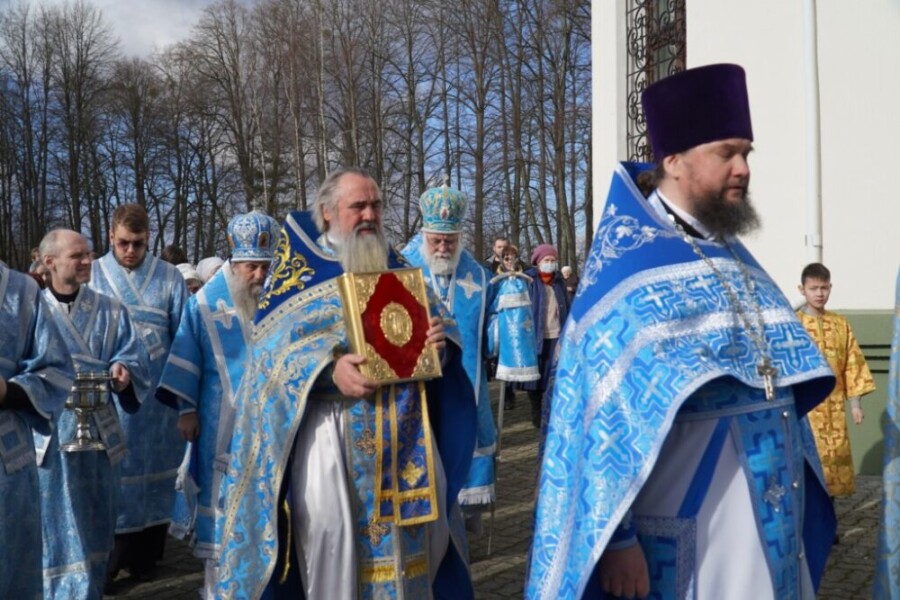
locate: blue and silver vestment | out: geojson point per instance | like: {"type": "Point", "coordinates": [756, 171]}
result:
{"type": "Point", "coordinates": [887, 570]}
{"type": "Point", "coordinates": [468, 295]}
{"type": "Point", "coordinates": [287, 386]}
{"type": "Point", "coordinates": [32, 356]}
{"type": "Point", "coordinates": [155, 295]}
{"type": "Point", "coordinates": [511, 335]}
{"type": "Point", "coordinates": [659, 425]}
{"type": "Point", "coordinates": [79, 490]}
{"type": "Point", "coordinates": [203, 372]}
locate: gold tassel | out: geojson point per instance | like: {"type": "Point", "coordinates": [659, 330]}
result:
{"type": "Point", "coordinates": [287, 547]}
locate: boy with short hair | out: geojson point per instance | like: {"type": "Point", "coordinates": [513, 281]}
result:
{"type": "Point", "coordinates": [835, 339]}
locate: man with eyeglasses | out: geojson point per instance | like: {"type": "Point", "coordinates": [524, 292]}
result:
{"type": "Point", "coordinates": [155, 293]}
{"type": "Point", "coordinates": [79, 489]}
{"type": "Point", "coordinates": [466, 290]}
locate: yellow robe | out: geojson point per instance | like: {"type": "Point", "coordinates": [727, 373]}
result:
{"type": "Point", "coordinates": [835, 339]}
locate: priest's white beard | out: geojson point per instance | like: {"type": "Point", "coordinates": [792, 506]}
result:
{"type": "Point", "coordinates": [246, 299]}
{"type": "Point", "coordinates": [441, 263]}
{"type": "Point", "coordinates": [364, 253]}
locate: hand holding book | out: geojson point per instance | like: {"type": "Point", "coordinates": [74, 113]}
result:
{"type": "Point", "coordinates": [436, 335]}
{"type": "Point", "coordinates": [348, 378]}
{"type": "Point", "coordinates": [351, 382]}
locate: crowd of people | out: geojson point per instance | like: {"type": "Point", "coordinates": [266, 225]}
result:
{"type": "Point", "coordinates": [687, 450]}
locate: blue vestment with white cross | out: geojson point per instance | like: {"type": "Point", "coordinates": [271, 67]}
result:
{"type": "Point", "coordinates": [32, 356]}
{"type": "Point", "coordinates": [155, 294]}
{"type": "Point", "coordinates": [203, 372]}
{"type": "Point", "coordinates": [468, 295]}
{"type": "Point", "coordinates": [660, 431]}
{"type": "Point", "coordinates": [80, 490]}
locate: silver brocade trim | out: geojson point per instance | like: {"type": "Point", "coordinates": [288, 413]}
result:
{"type": "Point", "coordinates": [695, 270]}
{"type": "Point", "coordinates": [757, 331]}
{"type": "Point", "coordinates": [609, 383]}
{"type": "Point", "coordinates": [513, 301]}
{"type": "Point", "coordinates": [660, 332]}
{"type": "Point", "coordinates": [517, 374]}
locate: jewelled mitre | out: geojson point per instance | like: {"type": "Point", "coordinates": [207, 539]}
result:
{"type": "Point", "coordinates": [252, 236]}
{"type": "Point", "coordinates": [442, 209]}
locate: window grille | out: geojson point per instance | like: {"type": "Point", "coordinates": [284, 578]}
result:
{"type": "Point", "coordinates": [656, 33]}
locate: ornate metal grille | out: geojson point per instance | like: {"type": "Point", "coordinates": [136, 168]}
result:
{"type": "Point", "coordinates": [655, 33]}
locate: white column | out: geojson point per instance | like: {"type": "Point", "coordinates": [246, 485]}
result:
{"type": "Point", "coordinates": [608, 64]}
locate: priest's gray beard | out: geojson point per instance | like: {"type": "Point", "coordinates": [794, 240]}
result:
{"type": "Point", "coordinates": [724, 218]}
{"type": "Point", "coordinates": [246, 298]}
{"type": "Point", "coordinates": [441, 263]}
{"type": "Point", "coordinates": [364, 253]}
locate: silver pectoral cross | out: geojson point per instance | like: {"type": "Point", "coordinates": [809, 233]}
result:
{"type": "Point", "coordinates": [765, 369]}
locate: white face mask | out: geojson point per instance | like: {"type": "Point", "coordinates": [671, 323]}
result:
{"type": "Point", "coordinates": [547, 267]}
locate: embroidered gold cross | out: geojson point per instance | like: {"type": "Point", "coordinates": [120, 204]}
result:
{"type": "Point", "coordinates": [367, 442]}
{"type": "Point", "coordinates": [375, 531]}
{"type": "Point", "coordinates": [412, 473]}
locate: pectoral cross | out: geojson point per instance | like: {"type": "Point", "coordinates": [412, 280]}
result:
{"type": "Point", "coordinates": [768, 373]}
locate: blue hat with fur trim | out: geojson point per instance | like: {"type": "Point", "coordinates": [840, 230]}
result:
{"type": "Point", "coordinates": [252, 236]}
{"type": "Point", "coordinates": [442, 209]}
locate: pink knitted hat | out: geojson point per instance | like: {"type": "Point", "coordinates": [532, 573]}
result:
{"type": "Point", "coordinates": [541, 252]}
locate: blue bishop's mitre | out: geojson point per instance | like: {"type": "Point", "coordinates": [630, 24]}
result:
{"type": "Point", "coordinates": [442, 209]}
{"type": "Point", "coordinates": [252, 236]}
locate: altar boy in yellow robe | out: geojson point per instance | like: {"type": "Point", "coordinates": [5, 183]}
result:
{"type": "Point", "coordinates": [835, 339]}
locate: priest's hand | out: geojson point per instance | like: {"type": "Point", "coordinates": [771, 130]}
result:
{"type": "Point", "coordinates": [189, 426]}
{"type": "Point", "coordinates": [120, 377]}
{"type": "Point", "coordinates": [624, 572]}
{"type": "Point", "coordinates": [349, 380]}
{"type": "Point", "coordinates": [436, 334]}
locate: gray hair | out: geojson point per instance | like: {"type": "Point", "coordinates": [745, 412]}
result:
{"type": "Point", "coordinates": [50, 244]}
{"type": "Point", "coordinates": [326, 198]}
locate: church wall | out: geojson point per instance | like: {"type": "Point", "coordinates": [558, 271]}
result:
{"type": "Point", "coordinates": [859, 57]}
{"type": "Point", "coordinates": [858, 62]}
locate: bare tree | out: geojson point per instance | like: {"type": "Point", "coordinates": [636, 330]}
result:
{"type": "Point", "coordinates": [26, 58]}
{"type": "Point", "coordinates": [222, 55]}
{"type": "Point", "coordinates": [83, 51]}
{"type": "Point", "coordinates": [265, 97]}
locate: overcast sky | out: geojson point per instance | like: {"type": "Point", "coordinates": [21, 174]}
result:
{"type": "Point", "coordinates": [144, 25]}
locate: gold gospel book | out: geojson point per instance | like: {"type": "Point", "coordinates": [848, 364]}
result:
{"type": "Point", "coordinates": [387, 317]}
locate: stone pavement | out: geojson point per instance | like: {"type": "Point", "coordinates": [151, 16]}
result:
{"type": "Point", "coordinates": [851, 566]}
{"type": "Point", "coordinates": [500, 575]}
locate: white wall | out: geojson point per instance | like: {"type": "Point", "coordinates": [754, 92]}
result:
{"type": "Point", "coordinates": [608, 128]}
{"type": "Point", "coordinates": [859, 76]}
{"type": "Point", "coordinates": [859, 86]}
